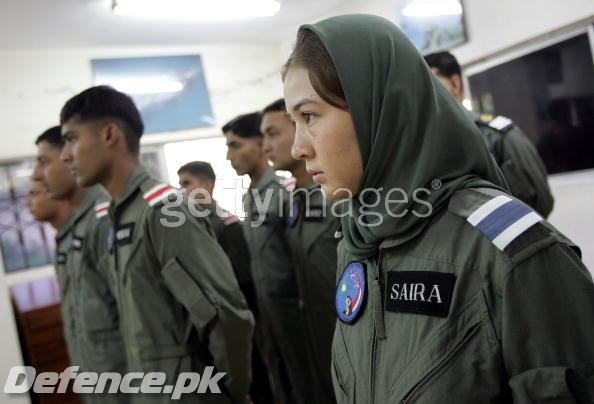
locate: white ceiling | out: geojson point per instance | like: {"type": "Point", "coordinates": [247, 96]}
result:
{"type": "Point", "coordinates": [74, 23]}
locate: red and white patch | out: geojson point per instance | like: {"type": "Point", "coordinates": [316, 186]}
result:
{"type": "Point", "coordinates": [101, 209]}
{"type": "Point", "coordinates": [230, 219]}
{"type": "Point", "coordinates": [157, 193]}
{"type": "Point", "coordinates": [290, 184]}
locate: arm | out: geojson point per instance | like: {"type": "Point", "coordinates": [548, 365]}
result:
{"type": "Point", "coordinates": [548, 328]}
{"type": "Point", "coordinates": [526, 172]}
{"type": "Point", "coordinates": [200, 277]}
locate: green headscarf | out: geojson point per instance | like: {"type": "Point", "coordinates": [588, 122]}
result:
{"type": "Point", "coordinates": [410, 130]}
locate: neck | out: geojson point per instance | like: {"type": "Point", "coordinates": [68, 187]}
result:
{"type": "Point", "coordinates": [60, 217]}
{"type": "Point", "coordinates": [118, 175]}
{"type": "Point", "coordinates": [257, 174]}
{"type": "Point", "coordinates": [301, 175]}
{"type": "Point", "coordinates": [77, 197]}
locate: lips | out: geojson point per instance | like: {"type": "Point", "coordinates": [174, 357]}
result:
{"type": "Point", "coordinates": [317, 175]}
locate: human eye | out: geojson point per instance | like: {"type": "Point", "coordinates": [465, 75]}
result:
{"type": "Point", "coordinates": [308, 116]}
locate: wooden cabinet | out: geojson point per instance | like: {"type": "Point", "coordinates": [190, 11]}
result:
{"type": "Point", "coordinates": [37, 310]}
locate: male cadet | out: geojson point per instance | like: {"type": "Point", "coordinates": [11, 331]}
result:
{"type": "Point", "coordinates": [198, 178]}
{"type": "Point", "coordinates": [280, 331]}
{"type": "Point", "coordinates": [518, 159]}
{"type": "Point", "coordinates": [45, 209]}
{"type": "Point", "coordinates": [180, 307]}
{"type": "Point", "coordinates": [89, 312]}
{"type": "Point", "coordinates": [310, 229]}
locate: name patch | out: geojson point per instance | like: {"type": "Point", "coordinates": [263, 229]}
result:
{"type": "Point", "coordinates": [421, 292]}
{"type": "Point", "coordinates": [124, 234]}
{"type": "Point", "coordinates": [61, 259]}
{"type": "Point", "coordinates": [315, 213]}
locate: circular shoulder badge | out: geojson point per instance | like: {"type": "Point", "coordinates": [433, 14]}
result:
{"type": "Point", "coordinates": [351, 292]}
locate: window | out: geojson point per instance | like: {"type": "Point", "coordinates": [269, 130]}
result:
{"type": "Point", "coordinates": [25, 243]}
{"type": "Point", "coordinates": [549, 93]}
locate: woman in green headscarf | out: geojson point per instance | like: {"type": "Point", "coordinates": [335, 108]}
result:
{"type": "Point", "coordinates": [449, 290]}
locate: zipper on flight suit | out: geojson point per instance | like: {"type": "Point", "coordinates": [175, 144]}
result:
{"type": "Point", "coordinates": [378, 318]}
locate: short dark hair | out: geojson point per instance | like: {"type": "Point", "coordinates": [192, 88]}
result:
{"type": "Point", "coordinates": [276, 106]}
{"type": "Point", "coordinates": [200, 169]}
{"type": "Point", "coordinates": [246, 125]}
{"type": "Point", "coordinates": [309, 52]}
{"type": "Point", "coordinates": [445, 63]}
{"type": "Point", "coordinates": [106, 102]}
{"type": "Point", "coordinates": [53, 136]}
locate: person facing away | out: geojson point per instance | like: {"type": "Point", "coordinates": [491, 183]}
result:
{"type": "Point", "coordinates": [523, 168]}
{"type": "Point", "coordinates": [457, 292]}
{"type": "Point", "coordinates": [197, 179]}
{"type": "Point", "coordinates": [310, 228]}
{"type": "Point", "coordinates": [88, 308]}
{"type": "Point", "coordinates": [45, 209]}
{"type": "Point", "coordinates": [281, 334]}
{"type": "Point", "coordinates": [180, 306]}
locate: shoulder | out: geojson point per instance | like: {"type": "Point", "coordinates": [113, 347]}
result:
{"type": "Point", "coordinates": [288, 184]}
{"type": "Point", "coordinates": [155, 193]}
{"type": "Point", "coordinates": [497, 123]}
{"type": "Point", "coordinates": [505, 223]}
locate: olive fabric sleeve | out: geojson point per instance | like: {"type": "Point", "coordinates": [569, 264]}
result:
{"type": "Point", "coordinates": [548, 328]}
{"type": "Point", "coordinates": [199, 275]}
{"type": "Point", "coordinates": [525, 172]}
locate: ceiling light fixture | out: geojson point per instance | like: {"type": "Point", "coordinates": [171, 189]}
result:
{"type": "Point", "coordinates": [203, 10]}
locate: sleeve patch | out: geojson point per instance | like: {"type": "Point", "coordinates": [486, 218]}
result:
{"type": "Point", "coordinates": [289, 184]}
{"type": "Point", "coordinates": [501, 123]}
{"type": "Point", "coordinates": [101, 209]}
{"type": "Point", "coordinates": [502, 219]}
{"type": "Point", "coordinates": [230, 219]}
{"type": "Point", "coordinates": [158, 193]}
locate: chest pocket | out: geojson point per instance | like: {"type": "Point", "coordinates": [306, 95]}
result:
{"type": "Point", "coordinates": [465, 345]}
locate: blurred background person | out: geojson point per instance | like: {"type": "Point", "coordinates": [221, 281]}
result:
{"type": "Point", "coordinates": [45, 209]}
{"type": "Point", "coordinates": [517, 157]}
{"type": "Point", "coordinates": [272, 268]}
{"type": "Point", "coordinates": [197, 179]}
{"type": "Point", "coordinates": [310, 228]}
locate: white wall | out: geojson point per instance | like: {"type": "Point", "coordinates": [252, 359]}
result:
{"type": "Point", "coordinates": [572, 214]}
{"type": "Point", "coordinates": [35, 84]}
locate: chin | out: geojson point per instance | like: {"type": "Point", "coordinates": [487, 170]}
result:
{"type": "Point", "coordinates": [85, 181]}
{"type": "Point", "coordinates": [335, 193]}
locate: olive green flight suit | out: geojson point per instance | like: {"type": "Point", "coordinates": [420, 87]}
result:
{"type": "Point", "coordinates": [507, 323]}
{"type": "Point", "coordinates": [310, 233]}
{"type": "Point", "coordinates": [89, 311]}
{"type": "Point", "coordinates": [229, 232]}
{"type": "Point", "coordinates": [524, 170]}
{"type": "Point", "coordinates": [276, 287]}
{"type": "Point", "coordinates": [178, 299]}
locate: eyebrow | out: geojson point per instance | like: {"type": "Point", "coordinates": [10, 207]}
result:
{"type": "Point", "coordinates": [268, 128]}
{"type": "Point", "coordinates": [303, 102]}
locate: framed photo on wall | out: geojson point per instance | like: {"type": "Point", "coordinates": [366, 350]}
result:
{"type": "Point", "coordinates": [433, 25]}
{"type": "Point", "coordinates": [169, 91]}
